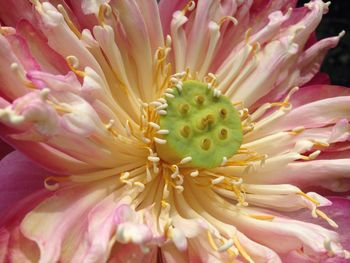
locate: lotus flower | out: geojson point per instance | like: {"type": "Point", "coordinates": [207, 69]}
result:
{"type": "Point", "coordinates": [184, 131]}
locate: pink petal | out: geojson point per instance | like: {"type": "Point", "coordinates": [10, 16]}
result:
{"type": "Point", "coordinates": [339, 211]}
{"type": "Point", "coordinates": [4, 149]}
{"type": "Point", "coordinates": [317, 92]}
{"type": "Point", "coordinates": [85, 20]}
{"type": "Point", "coordinates": [12, 11]}
{"type": "Point", "coordinates": [315, 114]}
{"type": "Point", "coordinates": [166, 10]}
{"type": "Point", "coordinates": [46, 156]}
{"type": "Point", "coordinates": [319, 79]}
{"type": "Point", "coordinates": [19, 178]}
{"type": "Point", "coordinates": [49, 60]}
{"type": "Point", "coordinates": [11, 85]}
{"type": "Point", "coordinates": [21, 50]}
{"type": "Point", "coordinates": [132, 253]}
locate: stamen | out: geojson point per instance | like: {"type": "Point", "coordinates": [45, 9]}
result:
{"type": "Point", "coordinates": [320, 143]}
{"type": "Point", "coordinates": [189, 7]}
{"type": "Point", "coordinates": [21, 75]}
{"type": "Point", "coordinates": [237, 182]}
{"type": "Point", "coordinates": [186, 160]}
{"type": "Point", "coordinates": [68, 20]}
{"type": "Point", "coordinates": [124, 175]}
{"type": "Point", "coordinates": [168, 41]}
{"type": "Point", "coordinates": [216, 93]}
{"type": "Point", "coordinates": [180, 180]}
{"type": "Point", "coordinates": [44, 94]}
{"type": "Point", "coordinates": [154, 125]}
{"type": "Point", "coordinates": [241, 250]}
{"type": "Point", "coordinates": [162, 112]}
{"type": "Point", "coordinates": [163, 132]}
{"type": "Point", "coordinates": [162, 100]}
{"type": "Point", "coordinates": [169, 90]}
{"type": "Point", "coordinates": [128, 128]}
{"type": "Point", "coordinates": [309, 198]}
{"type": "Point", "coordinates": [159, 141]}
{"type": "Point", "coordinates": [179, 188]}
{"type": "Point", "coordinates": [154, 159]}
{"type": "Point", "coordinates": [211, 241]}
{"type": "Point", "coordinates": [11, 116]}
{"type": "Point", "coordinates": [224, 161]}
{"type": "Point", "coordinates": [162, 107]}
{"type": "Point", "coordinates": [73, 64]}
{"type": "Point", "coordinates": [228, 244]}
{"type": "Point", "coordinates": [228, 18]}
{"type": "Point", "coordinates": [328, 246]}
{"type": "Point", "coordinates": [51, 183]}
{"type": "Point", "coordinates": [175, 170]}
{"type": "Point", "coordinates": [325, 217]}
{"type": "Point", "coordinates": [297, 130]}
{"type": "Point", "coordinates": [140, 185]}
{"type": "Point", "coordinates": [148, 175]}
{"type": "Point", "coordinates": [218, 180]}
{"type": "Point", "coordinates": [194, 173]}
{"type": "Point", "coordinates": [247, 35]}
{"type": "Point", "coordinates": [104, 12]}
{"type": "Point", "coordinates": [156, 103]}
{"type": "Point", "coordinates": [312, 156]}
{"type": "Point", "coordinates": [262, 217]}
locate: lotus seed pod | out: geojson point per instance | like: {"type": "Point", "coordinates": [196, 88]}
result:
{"type": "Point", "coordinates": [201, 125]}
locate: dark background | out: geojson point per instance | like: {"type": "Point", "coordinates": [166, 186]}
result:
{"type": "Point", "coordinates": [337, 62]}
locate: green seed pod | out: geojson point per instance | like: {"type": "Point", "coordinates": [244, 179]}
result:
{"type": "Point", "coordinates": [201, 125]}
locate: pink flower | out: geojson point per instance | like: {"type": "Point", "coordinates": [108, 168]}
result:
{"type": "Point", "coordinates": [187, 131]}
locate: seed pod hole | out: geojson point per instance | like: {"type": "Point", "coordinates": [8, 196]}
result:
{"type": "Point", "coordinates": [223, 134]}
{"type": "Point", "coordinates": [185, 131]}
{"type": "Point", "coordinates": [199, 99]}
{"type": "Point", "coordinates": [205, 145]}
{"type": "Point", "coordinates": [223, 113]}
{"type": "Point", "coordinates": [184, 108]}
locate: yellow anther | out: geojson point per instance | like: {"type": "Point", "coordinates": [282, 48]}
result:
{"type": "Point", "coordinates": [104, 12]}
{"type": "Point", "coordinates": [319, 143]}
{"type": "Point", "coordinates": [297, 130]}
{"type": "Point", "coordinates": [211, 241]}
{"type": "Point", "coordinates": [52, 182]}
{"type": "Point", "coordinates": [189, 7]}
{"type": "Point", "coordinates": [229, 19]}
{"type": "Point", "coordinates": [165, 204]}
{"type": "Point", "coordinates": [247, 35]}
{"type": "Point", "coordinates": [256, 47]}
{"type": "Point", "coordinates": [280, 104]}
{"type": "Point", "coordinates": [59, 108]}
{"type": "Point", "coordinates": [241, 250]}
{"type": "Point", "coordinates": [73, 64]}
{"type": "Point", "coordinates": [309, 198]}
{"type": "Point", "coordinates": [68, 20]}
{"type": "Point", "coordinates": [262, 217]}
{"type": "Point", "coordinates": [325, 217]}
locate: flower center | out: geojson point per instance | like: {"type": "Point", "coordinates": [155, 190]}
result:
{"type": "Point", "coordinates": [200, 126]}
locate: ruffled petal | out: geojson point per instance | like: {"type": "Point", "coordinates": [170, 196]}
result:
{"type": "Point", "coordinates": [20, 177]}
